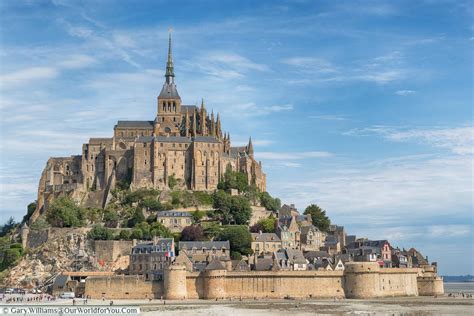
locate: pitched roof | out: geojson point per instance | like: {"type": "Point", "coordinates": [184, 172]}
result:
{"type": "Point", "coordinates": [311, 255]}
{"type": "Point", "coordinates": [264, 264]}
{"type": "Point", "coordinates": [61, 280]}
{"type": "Point", "coordinates": [215, 265]}
{"type": "Point", "coordinates": [306, 229]}
{"type": "Point", "coordinates": [205, 139]}
{"type": "Point", "coordinates": [190, 108]}
{"type": "Point", "coordinates": [169, 91]}
{"type": "Point", "coordinates": [261, 237]}
{"type": "Point", "coordinates": [135, 124]}
{"type": "Point", "coordinates": [204, 244]}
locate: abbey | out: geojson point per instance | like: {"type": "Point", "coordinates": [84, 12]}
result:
{"type": "Point", "coordinates": [183, 142]}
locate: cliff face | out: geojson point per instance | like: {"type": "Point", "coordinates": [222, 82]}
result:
{"type": "Point", "coordinates": [64, 250]}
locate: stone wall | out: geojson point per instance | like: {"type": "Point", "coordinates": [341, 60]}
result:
{"type": "Point", "coordinates": [111, 250]}
{"type": "Point", "coordinates": [360, 280]}
{"type": "Point", "coordinates": [123, 287]}
{"type": "Point", "coordinates": [37, 237]}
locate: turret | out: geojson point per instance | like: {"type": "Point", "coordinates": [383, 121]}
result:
{"type": "Point", "coordinates": [203, 127]}
{"type": "Point", "coordinates": [213, 124]}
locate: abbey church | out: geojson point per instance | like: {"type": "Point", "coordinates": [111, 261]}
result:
{"type": "Point", "coordinates": [183, 141]}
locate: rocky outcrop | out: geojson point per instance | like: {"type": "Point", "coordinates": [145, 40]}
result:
{"type": "Point", "coordinates": [66, 249]}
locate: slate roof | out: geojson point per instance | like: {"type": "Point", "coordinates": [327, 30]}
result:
{"type": "Point", "coordinates": [306, 229]}
{"type": "Point", "coordinates": [264, 264]}
{"type": "Point", "coordinates": [295, 256]}
{"type": "Point", "coordinates": [265, 237]}
{"type": "Point", "coordinates": [204, 244]}
{"type": "Point", "coordinates": [215, 265]}
{"type": "Point", "coordinates": [169, 91]}
{"type": "Point", "coordinates": [205, 139]}
{"type": "Point", "coordinates": [311, 255]}
{"type": "Point", "coordinates": [135, 124]}
{"type": "Point", "coordinates": [190, 108]}
{"type": "Point", "coordinates": [161, 245]}
{"type": "Point", "coordinates": [173, 214]}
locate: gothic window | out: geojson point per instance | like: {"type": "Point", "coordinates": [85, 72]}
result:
{"type": "Point", "coordinates": [174, 106]}
{"type": "Point", "coordinates": [169, 106]}
{"type": "Point", "coordinates": [164, 106]}
{"type": "Point", "coordinates": [167, 130]}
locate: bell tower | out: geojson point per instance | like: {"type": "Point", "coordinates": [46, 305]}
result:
{"type": "Point", "coordinates": [168, 118]}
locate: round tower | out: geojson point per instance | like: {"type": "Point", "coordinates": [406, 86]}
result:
{"type": "Point", "coordinates": [214, 284]}
{"type": "Point", "coordinates": [361, 279]}
{"type": "Point", "coordinates": [175, 282]}
{"type": "Point", "coordinates": [25, 231]}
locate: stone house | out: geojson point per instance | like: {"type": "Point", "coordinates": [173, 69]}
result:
{"type": "Point", "coordinates": [174, 221]}
{"type": "Point", "coordinates": [201, 253]}
{"type": "Point", "coordinates": [151, 258]}
{"type": "Point", "coordinates": [311, 238]}
{"type": "Point", "coordinates": [263, 243]}
{"type": "Point", "coordinates": [289, 233]}
{"type": "Point", "coordinates": [331, 245]}
{"type": "Point", "coordinates": [339, 233]}
{"type": "Point", "coordinates": [399, 259]}
{"type": "Point", "coordinates": [291, 259]}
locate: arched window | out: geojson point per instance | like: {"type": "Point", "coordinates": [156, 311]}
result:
{"type": "Point", "coordinates": [174, 106]}
{"type": "Point", "coordinates": [169, 106]}
{"type": "Point", "coordinates": [164, 106]}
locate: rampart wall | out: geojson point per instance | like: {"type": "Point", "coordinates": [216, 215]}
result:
{"type": "Point", "coordinates": [111, 250]}
{"type": "Point", "coordinates": [359, 280]}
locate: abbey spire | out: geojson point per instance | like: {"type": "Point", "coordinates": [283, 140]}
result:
{"type": "Point", "coordinates": [169, 64]}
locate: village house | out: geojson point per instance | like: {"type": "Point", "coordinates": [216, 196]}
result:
{"type": "Point", "coordinates": [150, 259]}
{"type": "Point", "coordinates": [174, 221]}
{"type": "Point", "coordinates": [201, 253]}
{"type": "Point", "coordinates": [311, 238]}
{"type": "Point", "coordinates": [263, 243]}
{"type": "Point", "coordinates": [291, 259]}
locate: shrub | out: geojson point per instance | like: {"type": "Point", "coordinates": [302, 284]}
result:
{"type": "Point", "coordinates": [172, 181]}
{"type": "Point", "coordinates": [192, 233]}
{"type": "Point", "coordinates": [197, 216]}
{"type": "Point", "coordinates": [100, 233]}
{"type": "Point", "coordinates": [64, 212]}
{"type": "Point", "coordinates": [270, 203]}
{"type": "Point", "coordinates": [203, 198]}
{"type": "Point", "coordinates": [125, 234]}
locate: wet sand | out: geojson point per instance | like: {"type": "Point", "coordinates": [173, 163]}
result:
{"type": "Point", "coordinates": [419, 306]}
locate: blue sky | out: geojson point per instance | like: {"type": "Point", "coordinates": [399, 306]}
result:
{"type": "Point", "coordinates": [363, 107]}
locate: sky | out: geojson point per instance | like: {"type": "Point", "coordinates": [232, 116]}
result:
{"type": "Point", "coordinates": [362, 107]}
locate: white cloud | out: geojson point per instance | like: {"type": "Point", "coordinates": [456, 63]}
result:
{"type": "Point", "coordinates": [311, 65]}
{"type": "Point", "coordinates": [77, 61]}
{"type": "Point", "coordinates": [405, 92]}
{"type": "Point", "coordinates": [459, 140]}
{"type": "Point", "coordinates": [224, 65]}
{"type": "Point", "coordinates": [23, 76]}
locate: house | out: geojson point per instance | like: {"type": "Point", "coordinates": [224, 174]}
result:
{"type": "Point", "coordinates": [339, 233]}
{"type": "Point", "coordinates": [331, 245]}
{"type": "Point", "coordinates": [291, 259]}
{"type": "Point", "coordinates": [311, 238]}
{"type": "Point", "coordinates": [366, 250]}
{"type": "Point", "coordinates": [399, 258]}
{"type": "Point", "coordinates": [174, 221]}
{"type": "Point", "coordinates": [313, 256]}
{"type": "Point", "coordinates": [240, 265]}
{"type": "Point", "coordinates": [201, 253]}
{"type": "Point", "coordinates": [304, 220]}
{"type": "Point", "coordinates": [416, 259]}
{"type": "Point", "coordinates": [289, 233]}
{"type": "Point", "coordinates": [151, 258]}
{"type": "Point", "coordinates": [265, 243]}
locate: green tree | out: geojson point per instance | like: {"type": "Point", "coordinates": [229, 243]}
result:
{"type": "Point", "coordinates": [239, 238]}
{"type": "Point", "coordinates": [192, 233]}
{"type": "Point", "coordinates": [158, 229]}
{"type": "Point", "coordinates": [7, 227]}
{"type": "Point", "coordinates": [110, 217]}
{"type": "Point", "coordinates": [270, 203]}
{"type": "Point", "coordinates": [100, 233]}
{"type": "Point", "coordinates": [93, 215]}
{"type": "Point", "coordinates": [151, 204]}
{"type": "Point", "coordinates": [10, 257]}
{"type": "Point", "coordinates": [233, 180]}
{"type": "Point", "coordinates": [197, 216]}
{"type": "Point", "coordinates": [318, 216]}
{"type": "Point", "coordinates": [265, 225]}
{"type": "Point", "coordinates": [172, 182]}
{"type": "Point", "coordinates": [137, 233]}
{"type": "Point", "coordinates": [64, 212]}
{"type": "Point", "coordinates": [240, 210]}
{"type": "Point", "coordinates": [125, 234]}
{"type": "Point", "coordinates": [137, 218]}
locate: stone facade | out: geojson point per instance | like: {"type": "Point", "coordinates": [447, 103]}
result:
{"type": "Point", "coordinates": [358, 280]}
{"type": "Point", "coordinates": [150, 259]}
{"type": "Point", "coordinates": [183, 141]}
{"type": "Point", "coordinates": [174, 221]}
